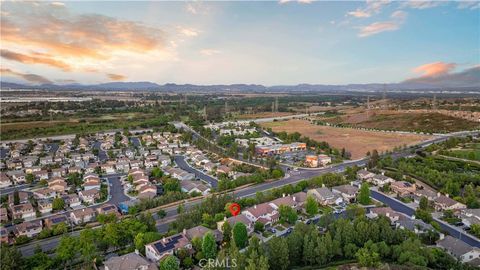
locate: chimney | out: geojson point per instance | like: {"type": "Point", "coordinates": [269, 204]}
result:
{"type": "Point", "coordinates": [283, 195]}
{"type": "Point", "coordinates": [164, 240]}
{"type": "Point", "coordinates": [438, 194]}
{"type": "Point", "coordinates": [294, 198]}
{"type": "Point", "coordinates": [184, 232]}
{"type": "Point", "coordinates": [255, 206]}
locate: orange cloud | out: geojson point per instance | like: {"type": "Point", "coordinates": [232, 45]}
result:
{"type": "Point", "coordinates": [116, 77]}
{"type": "Point", "coordinates": [28, 77]}
{"type": "Point", "coordinates": [67, 35]}
{"type": "Point", "coordinates": [378, 27]}
{"type": "Point", "coordinates": [36, 58]}
{"type": "Point", "coordinates": [435, 69]}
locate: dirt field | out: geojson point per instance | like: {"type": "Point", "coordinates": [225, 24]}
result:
{"type": "Point", "coordinates": [358, 142]}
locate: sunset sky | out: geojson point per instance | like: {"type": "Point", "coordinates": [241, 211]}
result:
{"type": "Point", "coordinates": [270, 43]}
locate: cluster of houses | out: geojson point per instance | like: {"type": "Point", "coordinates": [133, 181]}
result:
{"type": "Point", "coordinates": [75, 217]}
{"type": "Point", "coordinates": [404, 189]}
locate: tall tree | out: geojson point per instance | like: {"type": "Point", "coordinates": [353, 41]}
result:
{"type": "Point", "coordinates": [240, 234]}
{"type": "Point", "coordinates": [209, 246]}
{"type": "Point", "coordinates": [364, 194]}
{"type": "Point", "coordinates": [311, 206]}
{"type": "Point", "coordinates": [227, 232]}
{"type": "Point", "coordinates": [66, 250]}
{"type": "Point", "coordinates": [11, 258]}
{"type": "Point", "coordinates": [277, 253]}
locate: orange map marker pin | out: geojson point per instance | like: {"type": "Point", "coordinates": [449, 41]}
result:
{"type": "Point", "coordinates": [234, 209]}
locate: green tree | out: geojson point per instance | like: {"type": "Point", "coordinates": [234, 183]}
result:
{"type": "Point", "coordinates": [169, 263]}
{"type": "Point", "coordinates": [227, 232]}
{"type": "Point", "coordinates": [161, 213]}
{"type": "Point", "coordinates": [209, 247]}
{"type": "Point", "coordinates": [11, 258]}
{"type": "Point", "coordinates": [157, 173]}
{"type": "Point", "coordinates": [16, 197]}
{"type": "Point", "coordinates": [277, 253]}
{"type": "Point", "coordinates": [288, 214]}
{"type": "Point", "coordinates": [364, 194]}
{"type": "Point", "coordinates": [30, 178]}
{"type": "Point", "coordinates": [66, 249]}
{"type": "Point", "coordinates": [58, 204]}
{"type": "Point", "coordinates": [86, 244]}
{"type": "Point", "coordinates": [258, 226]}
{"type": "Point", "coordinates": [240, 235]}
{"type": "Point", "coordinates": [367, 257]}
{"type": "Point", "coordinates": [256, 262]}
{"type": "Point", "coordinates": [311, 206]}
{"type": "Point", "coordinates": [424, 203]}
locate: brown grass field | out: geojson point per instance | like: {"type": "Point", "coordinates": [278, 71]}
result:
{"type": "Point", "coordinates": [357, 142]}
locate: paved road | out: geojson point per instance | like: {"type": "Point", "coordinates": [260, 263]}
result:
{"type": "Point", "coordinates": [116, 189]}
{"type": "Point", "coordinates": [180, 161]}
{"type": "Point", "coordinates": [403, 208]}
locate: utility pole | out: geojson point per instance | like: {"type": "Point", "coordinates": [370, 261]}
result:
{"type": "Point", "coordinates": [368, 106]}
{"type": "Point", "coordinates": [384, 96]}
{"type": "Point", "coordinates": [276, 104]}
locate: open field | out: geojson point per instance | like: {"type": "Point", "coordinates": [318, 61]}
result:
{"type": "Point", "coordinates": [428, 122]}
{"type": "Point", "coordinates": [358, 142]}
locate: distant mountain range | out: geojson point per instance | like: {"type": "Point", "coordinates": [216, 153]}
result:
{"type": "Point", "coordinates": [170, 87]}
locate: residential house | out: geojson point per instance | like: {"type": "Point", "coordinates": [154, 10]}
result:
{"type": "Point", "coordinates": [348, 192]}
{"type": "Point", "coordinates": [223, 169]}
{"type": "Point", "coordinates": [286, 201]}
{"type": "Point", "coordinates": [41, 175]}
{"type": "Point", "coordinates": [108, 167]}
{"type": "Point", "coordinates": [381, 180]}
{"type": "Point", "coordinates": [58, 172]}
{"type": "Point", "coordinates": [194, 186]}
{"type": "Point", "coordinates": [402, 188]}
{"type": "Point", "coordinates": [365, 175]}
{"type": "Point", "coordinates": [3, 215]}
{"type": "Point", "coordinates": [263, 213]}
{"type": "Point", "coordinates": [325, 196]}
{"type": "Point", "coordinates": [443, 202]}
{"type": "Point", "coordinates": [4, 180]}
{"type": "Point", "coordinates": [311, 161]}
{"type": "Point", "coordinates": [431, 195]}
{"type": "Point", "coordinates": [72, 200]}
{"type": "Point", "coordinates": [166, 246]}
{"type": "Point", "coordinates": [19, 177]}
{"type": "Point", "coordinates": [74, 169]}
{"type": "Point", "coordinates": [415, 225]}
{"type": "Point", "coordinates": [393, 215]}
{"type": "Point", "coordinates": [28, 228]}
{"type": "Point", "coordinates": [163, 161]}
{"type": "Point", "coordinates": [135, 164]}
{"type": "Point", "coordinates": [89, 196]}
{"type": "Point", "coordinates": [83, 215]}
{"type": "Point", "coordinates": [129, 261]}
{"type": "Point", "coordinates": [459, 249]}
{"type": "Point", "coordinates": [147, 191]}
{"type": "Point", "coordinates": [470, 216]}
{"type": "Point", "coordinates": [235, 219]}
{"type": "Point", "coordinates": [179, 174]}
{"type": "Point", "coordinates": [44, 193]}
{"type": "Point", "coordinates": [22, 211]}
{"type": "Point", "coordinates": [55, 220]}
{"type": "Point", "coordinates": [44, 206]}
{"type": "Point", "coordinates": [58, 184]}
{"type": "Point", "coordinates": [107, 209]}
{"type": "Point", "coordinates": [22, 195]}
{"type": "Point", "coordinates": [200, 231]}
